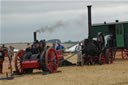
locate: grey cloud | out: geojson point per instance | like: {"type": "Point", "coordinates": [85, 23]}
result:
{"type": "Point", "coordinates": [21, 19]}
{"type": "Point", "coordinates": [40, 6]}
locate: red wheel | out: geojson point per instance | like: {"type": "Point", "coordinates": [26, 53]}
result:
{"type": "Point", "coordinates": [49, 61]}
{"type": "Point", "coordinates": [102, 58]}
{"type": "Point", "coordinates": [18, 57]}
{"type": "Point", "coordinates": [124, 53]}
{"type": "Point", "coordinates": [109, 56]}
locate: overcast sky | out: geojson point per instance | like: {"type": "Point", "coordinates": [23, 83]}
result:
{"type": "Point", "coordinates": [20, 18]}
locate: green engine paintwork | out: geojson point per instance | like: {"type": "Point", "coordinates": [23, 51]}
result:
{"type": "Point", "coordinates": [126, 35]}
{"type": "Point", "coordinates": [119, 35]}
{"type": "Point", "coordinates": [96, 29]}
{"type": "Point", "coordinates": [121, 32]}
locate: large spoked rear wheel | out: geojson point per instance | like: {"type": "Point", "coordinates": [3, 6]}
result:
{"type": "Point", "coordinates": [49, 61]}
{"type": "Point", "coordinates": [18, 61]}
{"type": "Point", "coordinates": [109, 56]}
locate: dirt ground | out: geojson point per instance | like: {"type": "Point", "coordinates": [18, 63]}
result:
{"type": "Point", "coordinates": [108, 74]}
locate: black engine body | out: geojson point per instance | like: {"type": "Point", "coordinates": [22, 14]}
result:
{"type": "Point", "coordinates": [91, 47]}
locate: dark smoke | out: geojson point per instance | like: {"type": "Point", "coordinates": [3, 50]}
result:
{"type": "Point", "coordinates": [79, 22]}
{"type": "Point", "coordinates": [51, 28]}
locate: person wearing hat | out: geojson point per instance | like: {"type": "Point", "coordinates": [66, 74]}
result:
{"type": "Point", "coordinates": [1, 59]}
{"type": "Point", "coordinates": [42, 45]}
{"type": "Point", "coordinates": [60, 47]}
{"type": "Point", "coordinates": [35, 48]}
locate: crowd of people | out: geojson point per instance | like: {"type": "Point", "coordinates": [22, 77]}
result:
{"type": "Point", "coordinates": [5, 52]}
{"type": "Point", "coordinates": [40, 46]}
{"type": "Point", "coordinates": [36, 48]}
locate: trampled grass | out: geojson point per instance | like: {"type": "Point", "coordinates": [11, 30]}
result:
{"type": "Point", "coordinates": [108, 74]}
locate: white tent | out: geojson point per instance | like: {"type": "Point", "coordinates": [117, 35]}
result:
{"type": "Point", "coordinates": [71, 49]}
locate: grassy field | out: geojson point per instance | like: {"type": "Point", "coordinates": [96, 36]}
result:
{"type": "Point", "coordinates": [108, 74]}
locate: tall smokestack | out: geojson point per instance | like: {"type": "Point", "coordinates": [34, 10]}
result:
{"type": "Point", "coordinates": [35, 36]}
{"type": "Point", "coordinates": [89, 21]}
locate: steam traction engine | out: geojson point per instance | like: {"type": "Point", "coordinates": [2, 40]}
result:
{"type": "Point", "coordinates": [95, 51]}
{"type": "Point", "coordinates": [47, 60]}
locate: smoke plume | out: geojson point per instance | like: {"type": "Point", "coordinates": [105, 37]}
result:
{"type": "Point", "coordinates": [79, 22]}
{"type": "Point", "coordinates": [51, 28]}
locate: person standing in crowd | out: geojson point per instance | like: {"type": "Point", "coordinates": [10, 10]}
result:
{"type": "Point", "coordinates": [11, 51]}
{"type": "Point", "coordinates": [59, 47]}
{"type": "Point", "coordinates": [28, 44]}
{"type": "Point", "coordinates": [10, 54]}
{"type": "Point", "coordinates": [79, 54]}
{"type": "Point", "coordinates": [42, 45]}
{"type": "Point", "coordinates": [5, 50]}
{"type": "Point", "coordinates": [29, 48]}
{"type": "Point", "coordinates": [3, 47]}
{"type": "Point", "coordinates": [1, 59]}
{"type": "Point", "coordinates": [35, 48]}
{"type": "Point", "coordinates": [108, 41]}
